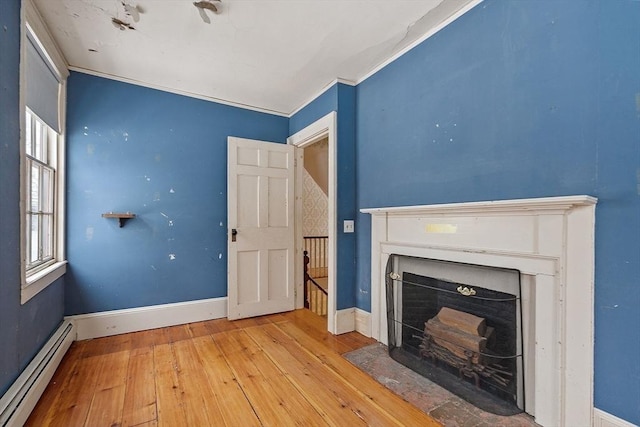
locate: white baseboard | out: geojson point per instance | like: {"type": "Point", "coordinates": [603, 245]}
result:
{"type": "Point", "coordinates": [363, 322]}
{"type": "Point", "coordinates": [18, 402]}
{"type": "Point", "coordinates": [603, 419]}
{"type": "Point", "coordinates": [345, 320]}
{"type": "Point", "coordinates": [107, 323]}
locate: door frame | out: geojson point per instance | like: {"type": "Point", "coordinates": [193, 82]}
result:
{"type": "Point", "coordinates": [323, 127]}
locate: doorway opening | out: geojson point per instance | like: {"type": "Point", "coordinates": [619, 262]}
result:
{"type": "Point", "coordinates": [315, 225]}
{"type": "Point", "coordinates": [312, 141]}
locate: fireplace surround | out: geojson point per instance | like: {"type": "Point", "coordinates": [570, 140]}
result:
{"type": "Point", "coordinates": [551, 242]}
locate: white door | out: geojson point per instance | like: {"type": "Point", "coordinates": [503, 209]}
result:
{"type": "Point", "coordinates": [261, 237]}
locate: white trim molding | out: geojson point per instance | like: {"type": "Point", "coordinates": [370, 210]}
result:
{"type": "Point", "coordinates": [345, 321]}
{"type": "Point", "coordinates": [320, 92]}
{"type": "Point", "coordinates": [323, 127]}
{"type": "Point", "coordinates": [353, 319]}
{"type": "Point", "coordinates": [176, 91]}
{"type": "Point", "coordinates": [40, 280]}
{"type": "Point", "coordinates": [33, 24]}
{"type": "Point", "coordinates": [551, 241]}
{"type": "Point", "coordinates": [115, 322]}
{"type": "Point", "coordinates": [363, 322]}
{"type": "Point", "coordinates": [463, 9]}
{"type": "Point", "coordinates": [604, 419]}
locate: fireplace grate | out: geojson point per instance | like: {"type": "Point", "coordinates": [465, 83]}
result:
{"type": "Point", "coordinates": [465, 337]}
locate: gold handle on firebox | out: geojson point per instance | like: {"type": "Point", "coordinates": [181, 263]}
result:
{"type": "Point", "coordinates": [467, 292]}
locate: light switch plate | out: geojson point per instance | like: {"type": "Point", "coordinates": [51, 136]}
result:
{"type": "Point", "coordinates": [348, 226]}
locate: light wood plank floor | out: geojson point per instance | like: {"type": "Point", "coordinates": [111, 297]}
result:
{"type": "Point", "coordinates": [277, 370]}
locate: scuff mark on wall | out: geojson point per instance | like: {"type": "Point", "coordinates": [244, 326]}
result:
{"type": "Point", "coordinates": [172, 257]}
{"type": "Point", "coordinates": [220, 255]}
{"type": "Point", "coordinates": [171, 190]}
{"type": "Point", "coordinates": [89, 233]}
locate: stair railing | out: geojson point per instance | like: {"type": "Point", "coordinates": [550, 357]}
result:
{"type": "Point", "coordinates": [315, 296]}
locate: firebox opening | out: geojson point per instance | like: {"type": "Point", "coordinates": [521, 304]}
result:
{"type": "Point", "coordinates": [460, 326]}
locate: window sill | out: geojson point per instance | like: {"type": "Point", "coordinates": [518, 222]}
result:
{"type": "Point", "coordinates": [40, 280]}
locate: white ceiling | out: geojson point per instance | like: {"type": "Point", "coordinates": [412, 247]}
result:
{"type": "Point", "coordinates": [272, 55]}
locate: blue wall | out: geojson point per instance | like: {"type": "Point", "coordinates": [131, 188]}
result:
{"type": "Point", "coordinates": [23, 328]}
{"type": "Point", "coordinates": [340, 98]}
{"type": "Point", "coordinates": [163, 157]}
{"type": "Point", "coordinates": [522, 99]}
{"type": "Point", "coordinates": [516, 99]}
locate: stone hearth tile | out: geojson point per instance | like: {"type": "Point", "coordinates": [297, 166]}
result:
{"type": "Point", "coordinates": [425, 401]}
{"type": "Point", "coordinates": [427, 396]}
{"type": "Point", "coordinates": [451, 414]}
{"type": "Point", "coordinates": [520, 420]}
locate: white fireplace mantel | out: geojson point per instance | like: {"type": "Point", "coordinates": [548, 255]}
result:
{"type": "Point", "coordinates": [551, 241]}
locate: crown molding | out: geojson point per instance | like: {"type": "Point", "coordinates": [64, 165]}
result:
{"type": "Point", "coordinates": [176, 91]}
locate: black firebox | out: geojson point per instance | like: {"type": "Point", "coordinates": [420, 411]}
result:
{"type": "Point", "coordinates": [460, 326]}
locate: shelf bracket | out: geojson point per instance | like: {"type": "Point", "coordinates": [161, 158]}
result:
{"type": "Point", "coordinates": [121, 217]}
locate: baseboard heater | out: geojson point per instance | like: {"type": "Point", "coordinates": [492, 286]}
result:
{"type": "Point", "coordinates": [18, 402]}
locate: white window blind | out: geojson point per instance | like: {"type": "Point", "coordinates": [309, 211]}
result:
{"type": "Point", "coordinates": [42, 86]}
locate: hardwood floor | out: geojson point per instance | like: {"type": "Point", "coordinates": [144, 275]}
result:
{"type": "Point", "coordinates": [276, 370]}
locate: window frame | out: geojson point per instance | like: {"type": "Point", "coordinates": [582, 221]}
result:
{"type": "Point", "coordinates": [37, 278]}
{"type": "Point", "coordinates": [47, 201]}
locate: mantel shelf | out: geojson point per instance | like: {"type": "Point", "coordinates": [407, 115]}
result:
{"type": "Point", "coordinates": [559, 203]}
{"type": "Point", "coordinates": [122, 217]}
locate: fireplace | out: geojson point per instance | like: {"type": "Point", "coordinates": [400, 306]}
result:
{"type": "Point", "coordinates": [549, 242]}
{"type": "Point", "coordinates": [460, 326]}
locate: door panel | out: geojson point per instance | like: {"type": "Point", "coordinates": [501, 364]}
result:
{"type": "Point", "coordinates": [278, 190]}
{"type": "Point", "coordinates": [249, 275]}
{"type": "Point", "coordinates": [260, 208]}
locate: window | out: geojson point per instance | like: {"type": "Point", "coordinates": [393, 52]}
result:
{"type": "Point", "coordinates": [43, 98]}
{"type": "Point", "coordinates": [41, 154]}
